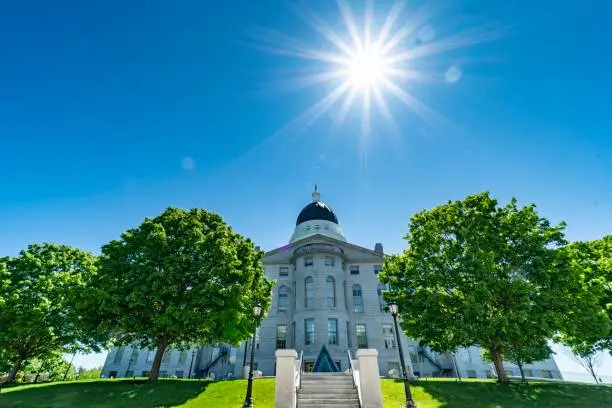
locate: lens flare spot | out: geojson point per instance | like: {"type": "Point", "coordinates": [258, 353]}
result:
{"type": "Point", "coordinates": [453, 74]}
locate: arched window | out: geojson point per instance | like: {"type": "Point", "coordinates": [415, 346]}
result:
{"type": "Point", "coordinates": [381, 301]}
{"type": "Point", "coordinates": [330, 289]}
{"type": "Point", "coordinates": [283, 299]}
{"type": "Point", "coordinates": [309, 291]}
{"type": "Point", "coordinates": [357, 299]}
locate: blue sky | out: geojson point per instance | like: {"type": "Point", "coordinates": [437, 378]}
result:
{"type": "Point", "coordinates": [111, 111]}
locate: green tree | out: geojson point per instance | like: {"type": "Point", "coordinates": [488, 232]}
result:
{"type": "Point", "coordinates": [41, 286]}
{"type": "Point", "coordinates": [476, 273]}
{"type": "Point", "coordinates": [53, 365]}
{"type": "Point", "coordinates": [590, 330]}
{"type": "Point", "coordinates": [521, 354]}
{"type": "Point", "coordinates": [180, 278]}
{"type": "Point", "coordinates": [88, 373]}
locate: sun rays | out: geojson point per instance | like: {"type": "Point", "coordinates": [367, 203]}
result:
{"type": "Point", "coordinates": [365, 66]}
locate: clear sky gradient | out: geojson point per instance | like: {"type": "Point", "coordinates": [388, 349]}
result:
{"type": "Point", "coordinates": [111, 111]}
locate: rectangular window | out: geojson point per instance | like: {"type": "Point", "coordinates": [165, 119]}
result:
{"type": "Point", "coordinates": [179, 374]}
{"type": "Point", "coordinates": [308, 261]}
{"type": "Point", "coordinates": [357, 299]}
{"type": "Point", "coordinates": [338, 365]}
{"type": "Point", "coordinates": [257, 330]}
{"type": "Point", "coordinates": [348, 334]}
{"type": "Point", "coordinates": [471, 373]}
{"type": "Point", "coordinates": [546, 374]}
{"type": "Point", "coordinates": [283, 271]}
{"type": "Point", "coordinates": [377, 269]}
{"type": "Point", "coordinates": [129, 374]}
{"type": "Point", "coordinates": [362, 335]}
{"type": "Point", "coordinates": [354, 269]}
{"type": "Point", "coordinates": [329, 261]}
{"type": "Point", "coordinates": [119, 355]}
{"type": "Point", "coordinates": [394, 365]}
{"type": "Point", "coordinates": [283, 300]}
{"type": "Point", "coordinates": [281, 336]}
{"type": "Point", "coordinates": [309, 331]}
{"type": "Point", "coordinates": [332, 331]}
{"type": "Point", "coordinates": [182, 356]}
{"type": "Point", "coordinates": [388, 335]}
{"type": "Point", "coordinates": [134, 356]}
{"type": "Point", "coordinates": [381, 300]}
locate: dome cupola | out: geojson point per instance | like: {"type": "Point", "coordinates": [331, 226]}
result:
{"type": "Point", "coordinates": [316, 218]}
{"type": "Point", "coordinates": [317, 210]}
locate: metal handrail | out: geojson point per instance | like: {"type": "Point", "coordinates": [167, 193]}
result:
{"type": "Point", "coordinates": [351, 370]}
{"type": "Point", "coordinates": [301, 367]}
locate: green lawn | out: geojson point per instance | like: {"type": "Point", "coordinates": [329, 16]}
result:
{"type": "Point", "coordinates": [230, 394]}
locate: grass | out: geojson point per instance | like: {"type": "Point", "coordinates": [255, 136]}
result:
{"type": "Point", "coordinates": [137, 393]}
{"type": "Point", "coordinates": [230, 394]}
{"type": "Point", "coordinates": [488, 394]}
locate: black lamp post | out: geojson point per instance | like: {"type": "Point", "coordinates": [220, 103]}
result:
{"type": "Point", "coordinates": [248, 400]}
{"type": "Point", "coordinates": [193, 353]}
{"type": "Point", "coordinates": [409, 401]}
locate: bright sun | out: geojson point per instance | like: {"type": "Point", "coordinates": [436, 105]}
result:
{"type": "Point", "coordinates": [370, 60]}
{"type": "Point", "coordinates": [366, 69]}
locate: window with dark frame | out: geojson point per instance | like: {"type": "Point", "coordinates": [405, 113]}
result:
{"type": "Point", "coordinates": [281, 336]}
{"type": "Point", "coordinates": [362, 335]}
{"type": "Point", "coordinates": [309, 331]}
{"type": "Point", "coordinates": [332, 331]}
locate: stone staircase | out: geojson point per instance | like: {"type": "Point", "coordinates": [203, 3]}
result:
{"type": "Point", "coordinates": [327, 390]}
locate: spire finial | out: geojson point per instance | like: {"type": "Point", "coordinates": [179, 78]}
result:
{"type": "Point", "coordinates": [315, 194]}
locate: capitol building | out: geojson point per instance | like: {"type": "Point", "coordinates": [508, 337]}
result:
{"type": "Point", "coordinates": [327, 300]}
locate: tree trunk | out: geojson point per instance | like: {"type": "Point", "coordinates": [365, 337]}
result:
{"type": "Point", "coordinates": [15, 369]}
{"type": "Point", "coordinates": [159, 354]}
{"type": "Point", "coordinates": [520, 366]}
{"type": "Point", "coordinates": [592, 371]}
{"type": "Point", "coordinates": [499, 366]}
{"type": "Point", "coordinates": [42, 365]}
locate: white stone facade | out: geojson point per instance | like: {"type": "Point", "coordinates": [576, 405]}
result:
{"type": "Point", "coordinates": [329, 285]}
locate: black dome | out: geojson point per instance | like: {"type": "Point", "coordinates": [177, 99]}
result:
{"type": "Point", "coordinates": [316, 210]}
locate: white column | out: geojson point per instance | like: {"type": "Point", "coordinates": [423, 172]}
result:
{"type": "Point", "coordinates": [369, 379]}
{"type": "Point", "coordinates": [284, 393]}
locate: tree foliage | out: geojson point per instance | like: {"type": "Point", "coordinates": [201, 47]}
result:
{"type": "Point", "coordinates": [586, 333]}
{"type": "Point", "coordinates": [476, 273]}
{"type": "Point", "coordinates": [40, 287]}
{"type": "Point", "coordinates": [528, 353]}
{"type": "Point", "coordinates": [180, 278]}
{"type": "Point", "coordinates": [588, 359]}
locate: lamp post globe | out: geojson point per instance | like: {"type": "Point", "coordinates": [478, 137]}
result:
{"type": "Point", "coordinates": [393, 308]}
{"type": "Point", "coordinates": [248, 400]}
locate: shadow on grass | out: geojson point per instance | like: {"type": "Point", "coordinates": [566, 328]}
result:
{"type": "Point", "coordinates": [489, 394]}
{"type": "Point", "coordinates": [103, 393]}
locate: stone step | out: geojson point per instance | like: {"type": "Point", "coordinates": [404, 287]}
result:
{"type": "Point", "coordinates": [333, 402]}
{"type": "Point", "coordinates": [327, 405]}
{"type": "Point", "coordinates": [328, 379]}
{"type": "Point", "coordinates": [327, 374]}
{"type": "Point", "coordinates": [327, 395]}
{"type": "Point", "coordinates": [309, 388]}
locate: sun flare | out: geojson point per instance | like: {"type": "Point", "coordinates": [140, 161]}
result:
{"type": "Point", "coordinates": [370, 61]}
{"type": "Point", "coordinates": [366, 69]}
